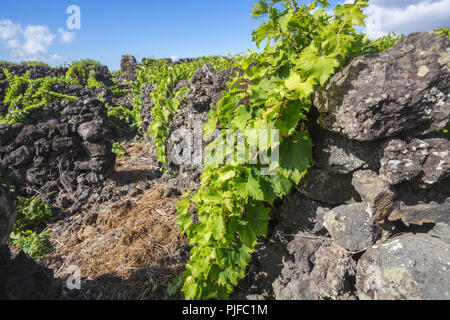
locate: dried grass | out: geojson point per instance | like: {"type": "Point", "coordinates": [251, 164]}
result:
{"type": "Point", "coordinates": [131, 252]}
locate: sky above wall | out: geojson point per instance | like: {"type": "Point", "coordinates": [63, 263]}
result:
{"type": "Point", "coordinates": [37, 29]}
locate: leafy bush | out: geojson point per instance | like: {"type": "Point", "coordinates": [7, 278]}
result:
{"type": "Point", "coordinates": [26, 63]}
{"type": "Point", "coordinates": [163, 74]}
{"type": "Point", "coordinates": [119, 93]}
{"type": "Point", "coordinates": [92, 80]}
{"type": "Point", "coordinates": [120, 118]}
{"type": "Point", "coordinates": [76, 75]}
{"type": "Point", "coordinates": [85, 63]}
{"type": "Point", "coordinates": [118, 150]}
{"type": "Point", "coordinates": [445, 31]}
{"type": "Point", "coordinates": [30, 215]}
{"type": "Point", "coordinates": [35, 245]}
{"type": "Point", "coordinates": [25, 94]}
{"type": "Point", "coordinates": [386, 42]}
{"type": "Point", "coordinates": [35, 63]}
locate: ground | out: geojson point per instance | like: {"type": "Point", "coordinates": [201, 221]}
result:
{"type": "Point", "coordinates": [126, 249]}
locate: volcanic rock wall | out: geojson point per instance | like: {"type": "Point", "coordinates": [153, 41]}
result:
{"type": "Point", "coordinates": [371, 219]}
{"type": "Point", "coordinates": [64, 150]}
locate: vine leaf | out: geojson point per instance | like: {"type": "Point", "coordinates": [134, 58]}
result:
{"type": "Point", "coordinates": [295, 156]}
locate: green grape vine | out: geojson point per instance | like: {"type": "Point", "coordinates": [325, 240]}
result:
{"type": "Point", "coordinates": [25, 94]}
{"type": "Point", "coordinates": [30, 216]}
{"type": "Point", "coordinates": [92, 81]}
{"type": "Point", "coordinates": [304, 46]}
{"type": "Point", "coordinates": [163, 75]}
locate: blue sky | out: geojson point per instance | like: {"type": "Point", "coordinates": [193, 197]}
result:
{"type": "Point", "coordinates": [36, 30]}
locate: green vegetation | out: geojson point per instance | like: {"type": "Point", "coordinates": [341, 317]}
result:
{"type": "Point", "coordinates": [163, 74]}
{"type": "Point", "coordinates": [30, 216]}
{"type": "Point", "coordinates": [120, 118]}
{"type": "Point", "coordinates": [386, 42]}
{"type": "Point", "coordinates": [85, 63]}
{"type": "Point", "coordinates": [304, 46]}
{"type": "Point", "coordinates": [92, 80]}
{"type": "Point", "coordinates": [76, 75]}
{"type": "Point", "coordinates": [118, 150]}
{"type": "Point", "coordinates": [390, 39]}
{"type": "Point", "coordinates": [26, 94]}
{"type": "Point", "coordinates": [25, 63]}
{"type": "Point", "coordinates": [444, 31]}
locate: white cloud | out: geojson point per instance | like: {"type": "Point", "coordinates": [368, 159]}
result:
{"type": "Point", "coordinates": [406, 16]}
{"type": "Point", "coordinates": [65, 36]}
{"type": "Point", "coordinates": [30, 42]}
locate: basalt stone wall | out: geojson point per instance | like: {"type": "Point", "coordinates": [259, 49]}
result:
{"type": "Point", "coordinates": [206, 87]}
{"type": "Point", "coordinates": [205, 90]}
{"type": "Point", "coordinates": [101, 74]}
{"type": "Point", "coordinates": [66, 149]}
{"type": "Point", "coordinates": [35, 72]}
{"type": "Point", "coordinates": [372, 219]}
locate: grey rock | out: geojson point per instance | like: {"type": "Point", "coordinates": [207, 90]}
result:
{"type": "Point", "coordinates": [294, 280]}
{"type": "Point", "coordinates": [337, 154]}
{"type": "Point", "coordinates": [408, 267]}
{"type": "Point", "coordinates": [418, 214]}
{"type": "Point", "coordinates": [39, 175]}
{"type": "Point", "coordinates": [206, 87]}
{"type": "Point", "coordinates": [9, 132]}
{"type": "Point", "coordinates": [403, 90]}
{"type": "Point", "coordinates": [93, 130]}
{"type": "Point", "coordinates": [147, 106]}
{"type": "Point", "coordinates": [43, 147]}
{"type": "Point", "coordinates": [20, 157]}
{"type": "Point", "coordinates": [424, 160]}
{"type": "Point", "coordinates": [98, 149]}
{"type": "Point", "coordinates": [442, 231]}
{"type": "Point", "coordinates": [65, 144]}
{"type": "Point", "coordinates": [351, 226]}
{"type": "Point", "coordinates": [297, 288]}
{"type": "Point", "coordinates": [29, 134]}
{"type": "Point", "coordinates": [333, 269]}
{"type": "Point", "coordinates": [327, 187]}
{"type": "Point", "coordinates": [377, 193]}
{"type": "Point", "coordinates": [128, 67]}
{"type": "Point", "coordinates": [23, 279]}
{"type": "Point", "coordinates": [302, 214]}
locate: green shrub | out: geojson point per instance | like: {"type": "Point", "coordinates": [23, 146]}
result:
{"type": "Point", "coordinates": [31, 214]}
{"type": "Point", "coordinates": [445, 31]}
{"type": "Point", "coordinates": [118, 150]}
{"type": "Point", "coordinates": [386, 42]}
{"type": "Point", "coordinates": [35, 245]}
{"type": "Point", "coordinates": [86, 63]}
{"type": "Point", "coordinates": [120, 118]}
{"type": "Point", "coordinates": [26, 63]}
{"type": "Point", "coordinates": [76, 75]}
{"type": "Point", "coordinates": [34, 63]}
{"type": "Point", "coordinates": [92, 80]}
{"type": "Point", "coordinates": [163, 74]}
{"type": "Point", "coordinates": [303, 47]}
{"type": "Point", "coordinates": [119, 93]}
{"type": "Point", "coordinates": [25, 94]}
